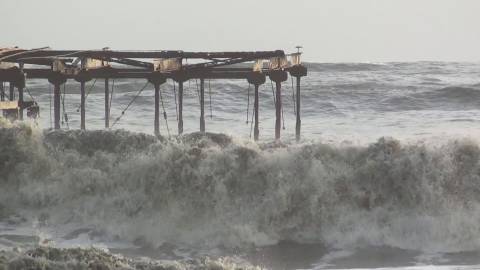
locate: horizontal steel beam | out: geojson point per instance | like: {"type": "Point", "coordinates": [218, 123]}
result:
{"type": "Point", "coordinates": [16, 56]}
{"type": "Point", "coordinates": [138, 74]}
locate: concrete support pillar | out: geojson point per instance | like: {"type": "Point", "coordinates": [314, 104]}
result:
{"type": "Point", "coordinates": [256, 131]}
{"type": "Point", "coordinates": [82, 77]}
{"type": "Point", "coordinates": [56, 105]}
{"type": "Point", "coordinates": [202, 105]}
{"type": "Point", "coordinates": [298, 123]}
{"type": "Point", "coordinates": [278, 109]}
{"type": "Point", "coordinates": [57, 79]}
{"type": "Point", "coordinates": [20, 86]}
{"type": "Point", "coordinates": [180, 107]}
{"type": "Point", "coordinates": [257, 79]}
{"type": "Point", "coordinates": [157, 78]}
{"type": "Point", "coordinates": [107, 104]}
{"type": "Point", "coordinates": [298, 72]}
{"type": "Point", "coordinates": [2, 91]}
{"type": "Point", "coordinates": [82, 105]}
{"type": "Point", "coordinates": [278, 76]}
{"type": "Point", "coordinates": [12, 91]}
{"type": "Point", "coordinates": [20, 102]}
{"type": "Point", "coordinates": [157, 109]}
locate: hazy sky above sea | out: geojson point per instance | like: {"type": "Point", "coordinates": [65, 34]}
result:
{"type": "Point", "coordinates": [329, 30]}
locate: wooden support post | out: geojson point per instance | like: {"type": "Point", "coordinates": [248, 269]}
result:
{"type": "Point", "coordinates": [256, 131]}
{"type": "Point", "coordinates": [56, 105]}
{"type": "Point", "coordinates": [12, 91]}
{"type": "Point", "coordinates": [82, 105]}
{"type": "Point", "coordinates": [107, 104]}
{"type": "Point", "coordinates": [202, 105]}
{"type": "Point", "coordinates": [278, 109]}
{"type": "Point", "coordinates": [157, 109]}
{"type": "Point", "coordinates": [180, 107]}
{"type": "Point", "coordinates": [298, 123]}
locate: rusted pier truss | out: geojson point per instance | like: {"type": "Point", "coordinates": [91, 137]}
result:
{"type": "Point", "coordinates": [58, 66]}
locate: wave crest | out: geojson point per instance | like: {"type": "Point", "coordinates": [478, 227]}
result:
{"type": "Point", "coordinates": [217, 191]}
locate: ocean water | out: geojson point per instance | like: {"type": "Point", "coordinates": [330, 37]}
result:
{"type": "Point", "coordinates": [387, 176]}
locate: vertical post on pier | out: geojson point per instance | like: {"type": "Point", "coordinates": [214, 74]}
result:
{"type": "Point", "coordinates": [107, 105]}
{"type": "Point", "coordinates": [82, 105]}
{"type": "Point", "coordinates": [298, 123]}
{"type": "Point", "coordinates": [2, 91]}
{"type": "Point", "coordinates": [20, 102]}
{"type": "Point", "coordinates": [256, 78]}
{"type": "Point", "coordinates": [57, 79]}
{"type": "Point", "coordinates": [202, 105]}
{"type": "Point", "coordinates": [298, 71]}
{"type": "Point", "coordinates": [82, 77]}
{"type": "Point", "coordinates": [157, 109]}
{"type": "Point", "coordinates": [180, 107]}
{"type": "Point", "coordinates": [278, 109]}
{"type": "Point", "coordinates": [56, 105]}
{"type": "Point", "coordinates": [278, 76]}
{"type": "Point", "coordinates": [256, 131]}
{"type": "Point", "coordinates": [20, 86]}
{"type": "Point", "coordinates": [157, 78]}
{"type": "Point", "coordinates": [12, 91]}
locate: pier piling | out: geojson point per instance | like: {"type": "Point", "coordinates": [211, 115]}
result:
{"type": "Point", "coordinates": [82, 105]}
{"type": "Point", "coordinates": [12, 91]}
{"type": "Point", "coordinates": [257, 79]}
{"type": "Point", "coordinates": [157, 79]}
{"type": "Point", "coordinates": [180, 76]}
{"type": "Point", "coordinates": [20, 86]}
{"type": "Point", "coordinates": [20, 102]}
{"type": "Point", "coordinates": [298, 71]}
{"type": "Point", "coordinates": [278, 109]}
{"type": "Point", "coordinates": [278, 76]}
{"type": "Point", "coordinates": [57, 79]}
{"type": "Point", "coordinates": [56, 105]}
{"type": "Point", "coordinates": [82, 77]}
{"type": "Point", "coordinates": [202, 105]}
{"type": "Point", "coordinates": [256, 131]}
{"type": "Point", "coordinates": [180, 107]}
{"type": "Point", "coordinates": [2, 91]}
{"type": "Point", "coordinates": [107, 104]}
{"type": "Point", "coordinates": [157, 109]}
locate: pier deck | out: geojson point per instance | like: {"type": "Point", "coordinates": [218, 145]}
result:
{"type": "Point", "coordinates": [58, 66]}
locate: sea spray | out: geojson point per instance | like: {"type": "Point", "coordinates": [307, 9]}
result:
{"type": "Point", "coordinates": [216, 191]}
{"type": "Point", "coordinates": [92, 258]}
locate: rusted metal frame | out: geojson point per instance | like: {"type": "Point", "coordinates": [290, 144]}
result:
{"type": "Point", "coordinates": [138, 74]}
{"type": "Point", "coordinates": [129, 62]}
{"type": "Point", "coordinates": [138, 54]}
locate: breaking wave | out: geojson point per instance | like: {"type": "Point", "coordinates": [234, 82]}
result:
{"type": "Point", "coordinates": [455, 94]}
{"type": "Point", "coordinates": [92, 258]}
{"type": "Point", "coordinates": [216, 191]}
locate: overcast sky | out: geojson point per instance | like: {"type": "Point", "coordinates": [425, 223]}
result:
{"type": "Point", "coordinates": [329, 30]}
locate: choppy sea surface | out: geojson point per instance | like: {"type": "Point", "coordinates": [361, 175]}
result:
{"type": "Point", "coordinates": [387, 175]}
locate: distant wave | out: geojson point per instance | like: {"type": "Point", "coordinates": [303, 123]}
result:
{"type": "Point", "coordinates": [216, 191]}
{"type": "Point", "coordinates": [344, 67]}
{"type": "Point", "coordinates": [466, 97]}
{"type": "Point", "coordinates": [458, 92]}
